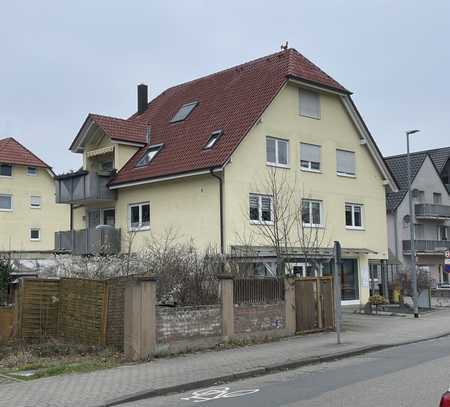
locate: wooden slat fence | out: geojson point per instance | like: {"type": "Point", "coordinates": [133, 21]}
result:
{"type": "Point", "coordinates": [258, 291]}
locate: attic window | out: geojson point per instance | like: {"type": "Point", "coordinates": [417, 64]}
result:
{"type": "Point", "coordinates": [213, 138]}
{"type": "Point", "coordinates": [184, 112]}
{"type": "Point", "coordinates": [149, 155]}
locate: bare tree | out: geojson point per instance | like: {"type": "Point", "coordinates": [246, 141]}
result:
{"type": "Point", "coordinates": [287, 233]}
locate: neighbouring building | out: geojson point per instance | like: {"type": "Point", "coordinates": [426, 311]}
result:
{"type": "Point", "coordinates": [196, 159]}
{"type": "Point", "coordinates": [431, 211]}
{"type": "Point", "coordinates": [29, 215]}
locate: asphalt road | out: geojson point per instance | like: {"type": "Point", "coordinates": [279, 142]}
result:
{"type": "Point", "coordinates": [412, 375]}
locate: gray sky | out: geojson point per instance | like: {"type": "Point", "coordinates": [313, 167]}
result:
{"type": "Point", "coordinates": [60, 60]}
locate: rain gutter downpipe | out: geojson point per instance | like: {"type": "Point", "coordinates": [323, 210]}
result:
{"type": "Point", "coordinates": [220, 178]}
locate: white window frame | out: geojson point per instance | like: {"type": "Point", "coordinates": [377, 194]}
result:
{"type": "Point", "coordinates": [140, 227]}
{"type": "Point", "coordinates": [12, 207]}
{"type": "Point", "coordinates": [277, 163]}
{"type": "Point", "coordinates": [313, 225]}
{"type": "Point", "coordinates": [35, 239]}
{"type": "Point", "coordinates": [31, 174]}
{"type": "Point", "coordinates": [260, 221]}
{"type": "Point", "coordinates": [35, 206]}
{"type": "Point", "coordinates": [353, 205]}
{"type": "Point", "coordinates": [309, 168]}
{"type": "Point", "coordinates": [12, 171]}
{"type": "Point", "coordinates": [311, 92]}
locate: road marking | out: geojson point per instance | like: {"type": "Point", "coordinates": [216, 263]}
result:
{"type": "Point", "coordinates": [215, 393]}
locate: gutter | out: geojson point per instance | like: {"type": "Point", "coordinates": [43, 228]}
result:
{"type": "Point", "coordinates": [220, 178]}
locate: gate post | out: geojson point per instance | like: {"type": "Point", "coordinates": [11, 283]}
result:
{"type": "Point", "coordinates": [289, 299]}
{"type": "Point", "coordinates": [140, 318]}
{"type": "Point", "coordinates": [227, 298]}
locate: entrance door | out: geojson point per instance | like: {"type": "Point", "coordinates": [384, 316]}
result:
{"type": "Point", "coordinates": [92, 234]}
{"type": "Point", "coordinates": [349, 280]}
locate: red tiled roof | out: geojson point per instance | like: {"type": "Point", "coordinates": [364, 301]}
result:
{"type": "Point", "coordinates": [12, 152]}
{"type": "Point", "coordinates": [231, 100]}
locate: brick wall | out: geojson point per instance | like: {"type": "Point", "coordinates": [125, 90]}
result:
{"type": "Point", "coordinates": [259, 318]}
{"type": "Point", "coordinates": [188, 322]}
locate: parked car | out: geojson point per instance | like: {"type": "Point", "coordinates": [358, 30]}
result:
{"type": "Point", "coordinates": [445, 399]}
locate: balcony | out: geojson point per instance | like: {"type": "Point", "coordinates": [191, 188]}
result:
{"type": "Point", "coordinates": [432, 211]}
{"type": "Point", "coordinates": [83, 187]}
{"type": "Point", "coordinates": [88, 241]}
{"type": "Point", "coordinates": [427, 246]}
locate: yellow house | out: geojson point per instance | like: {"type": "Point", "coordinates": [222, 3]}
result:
{"type": "Point", "coordinates": [29, 215]}
{"type": "Point", "coordinates": [217, 159]}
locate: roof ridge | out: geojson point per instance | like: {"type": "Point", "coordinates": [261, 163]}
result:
{"type": "Point", "coordinates": [417, 152]}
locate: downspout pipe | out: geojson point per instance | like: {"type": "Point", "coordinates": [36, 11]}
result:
{"type": "Point", "coordinates": [220, 178]}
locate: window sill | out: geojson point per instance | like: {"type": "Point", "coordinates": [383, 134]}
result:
{"type": "Point", "coordinates": [310, 170]}
{"type": "Point", "coordinates": [6, 210]}
{"type": "Point", "coordinates": [313, 226]}
{"type": "Point", "coordinates": [341, 174]}
{"type": "Point", "coordinates": [35, 240]}
{"type": "Point", "coordinates": [142, 229]}
{"type": "Point", "coordinates": [35, 207]}
{"type": "Point", "coordinates": [355, 228]}
{"type": "Point", "coordinates": [278, 165]}
{"type": "Point", "coordinates": [6, 176]}
{"type": "Point", "coordinates": [310, 117]}
{"type": "Point", "coordinates": [259, 222]}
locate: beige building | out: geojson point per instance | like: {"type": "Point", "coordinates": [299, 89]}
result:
{"type": "Point", "coordinates": [197, 160]}
{"type": "Point", "coordinates": [29, 215]}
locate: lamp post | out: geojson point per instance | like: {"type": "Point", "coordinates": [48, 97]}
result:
{"type": "Point", "coordinates": [411, 229]}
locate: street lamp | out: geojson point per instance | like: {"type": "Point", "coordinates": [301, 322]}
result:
{"type": "Point", "coordinates": [411, 229]}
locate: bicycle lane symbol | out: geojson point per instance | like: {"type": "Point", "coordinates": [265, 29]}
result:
{"type": "Point", "coordinates": [215, 393]}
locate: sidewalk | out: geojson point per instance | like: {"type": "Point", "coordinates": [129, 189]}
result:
{"type": "Point", "coordinates": [99, 388]}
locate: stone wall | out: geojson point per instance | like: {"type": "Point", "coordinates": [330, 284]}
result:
{"type": "Point", "coordinates": [252, 320]}
{"type": "Point", "coordinates": [182, 328]}
{"type": "Point", "coordinates": [440, 298]}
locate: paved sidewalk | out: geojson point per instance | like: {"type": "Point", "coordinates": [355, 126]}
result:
{"type": "Point", "coordinates": [99, 388]}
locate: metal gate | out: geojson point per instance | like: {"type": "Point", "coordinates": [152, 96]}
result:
{"type": "Point", "coordinates": [314, 304]}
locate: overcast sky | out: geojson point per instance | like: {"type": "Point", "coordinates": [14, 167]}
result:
{"type": "Point", "coordinates": [60, 60]}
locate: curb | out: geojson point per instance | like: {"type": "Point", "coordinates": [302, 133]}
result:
{"type": "Point", "coordinates": [181, 388]}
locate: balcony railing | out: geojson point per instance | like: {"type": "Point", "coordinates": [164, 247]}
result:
{"type": "Point", "coordinates": [432, 211]}
{"type": "Point", "coordinates": [88, 241]}
{"type": "Point", "coordinates": [428, 246]}
{"type": "Point", "coordinates": [83, 187]}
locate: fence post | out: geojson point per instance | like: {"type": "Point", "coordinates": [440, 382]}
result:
{"type": "Point", "coordinates": [227, 297]}
{"type": "Point", "coordinates": [140, 318]}
{"type": "Point", "coordinates": [289, 299]}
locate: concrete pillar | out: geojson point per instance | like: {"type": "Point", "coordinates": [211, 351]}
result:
{"type": "Point", "coordinates": [289, 299]}
{"type": "Point", "coordinates": [140, 318]}
{"type": "Point", "coordinates": [364, 280]}
{"type": "Point", "coordinates": [226, 294]}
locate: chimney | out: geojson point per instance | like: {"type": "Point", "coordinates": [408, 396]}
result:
{"type": "Point", "coordinates": [142, 96]}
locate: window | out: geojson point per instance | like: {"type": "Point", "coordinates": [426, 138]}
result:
{"type": "Point", "coordinates": [184, 112]}
{"type": "Point", "coordinates": [149, 155]}
{"type": "Point", "coordinates": [107, 165]}
{"type": "Point", "coordinates": [312, 213]}
{"type": "Point", "coordinates": [215, 135]}
{"type": "Point", "coordinates": [309, 104]}
{"type": "Point", "coordinates": [35, 234]}
{"type": "Point", "coordinates": [5, 202]}
{"type": "Point", "coordinates": [437, 198]}
{"type": "Point", "coordinates": [260, 208]}
{"type": "Point", "coordinates": [109, 217]}
{"type": "Point", "coordinates": [353, 216]}
{"type": "Point", "coordinates": [5, 170]}
{"type": "Point", "coordinates": [309, 157]}
{"type": "Point", "coordinates": [277, 151]}
{"type": "Point", "coordinates": [345, 163]}
{"type": "Point", "coordinates": [139, 216]}
{"type": "Point", "coordinates": [31, 171]}
{"type": "Point", "coordinates": [35, 202]}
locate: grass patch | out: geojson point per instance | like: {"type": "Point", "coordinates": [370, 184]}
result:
{"type": "Point", "coordinates": [52, 358]}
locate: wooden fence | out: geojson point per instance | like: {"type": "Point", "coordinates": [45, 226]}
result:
{"type": "Point", "coordinates": [258, 291]}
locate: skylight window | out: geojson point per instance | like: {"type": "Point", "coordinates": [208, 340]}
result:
{"type": "Point", "coordinates": [215, 135]}
{"type": "Point", "coordinates": [184, 112]}
{"type": "Point", "coordinates": [149, 155]}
